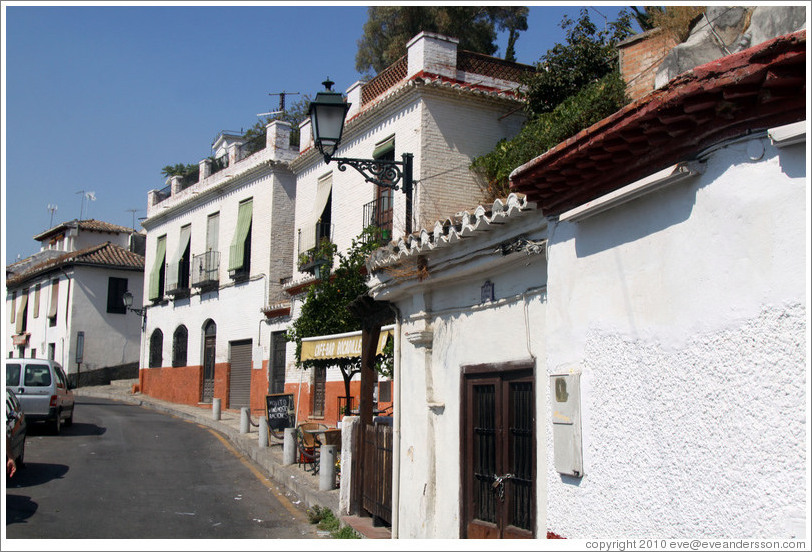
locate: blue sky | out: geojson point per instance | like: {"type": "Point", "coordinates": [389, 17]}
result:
{"type": "Point", "coordinates": [99, 98]}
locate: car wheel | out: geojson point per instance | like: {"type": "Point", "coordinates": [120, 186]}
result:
{"type": "Point", "coordinates": [20, 461]}
{"type": "Point", "coordinates": [69, 419]}
{"type": "Point", "coordinates": [58, 424]}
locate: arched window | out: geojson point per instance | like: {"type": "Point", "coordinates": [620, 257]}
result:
{"type": "Point", "coordinates": [179, 343]}
{"type": "Point", "coordinates": [156, 345]}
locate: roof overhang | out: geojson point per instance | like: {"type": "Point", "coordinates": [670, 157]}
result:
{"type": "Point", "coordinates": [756, 89]}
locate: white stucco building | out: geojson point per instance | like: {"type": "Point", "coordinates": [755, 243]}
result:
{"type": "Point", "coordinates": [645, 317]}
{"type": "Point", "coordinates": [217, 249]}
{"type": "Point", "coordinates": [441, 104]}
{"type": "Point", "coordinates": [65, 302]}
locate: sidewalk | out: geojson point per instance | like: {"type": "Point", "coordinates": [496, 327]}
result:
{"type": "Point", "coordinates": [302, 488]}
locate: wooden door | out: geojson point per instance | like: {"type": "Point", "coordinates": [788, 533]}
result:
{"type": "Point", "coordinates": [498, 452]}
{"type": "Point", "coordinates": [209, 341]}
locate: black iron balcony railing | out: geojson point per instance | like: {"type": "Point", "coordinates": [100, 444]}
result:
{"type": "Point", "coordinates": [206, 269]}
{"type": "Point", "coordinates": [219, 163]}
{"type": "Point", "coordinates": [163, 194]}
{"type": "Point", "coordinates": [378, 215]}
{"type": "Point", "coordinates": [255, 144]}
{"type": "Point", "coordinates": [310, 238]}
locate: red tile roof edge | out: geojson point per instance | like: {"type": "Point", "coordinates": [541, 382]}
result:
{"type": "Point", "coordinates": [104, 254]}
{"type": "Point", "coordinates": [693, 92]}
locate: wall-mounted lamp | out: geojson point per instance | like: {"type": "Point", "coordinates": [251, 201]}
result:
{"type": "Point", "coordinates": [127, 298]}
{"type": "Point", "coordinates": [327, 113]}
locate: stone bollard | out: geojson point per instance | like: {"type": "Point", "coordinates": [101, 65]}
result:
{"type": "Point", "coordinates": [244, 420]}
{"type": "Point", "coordinates": [263, 432]}
{"type": "Point", "coordinates": [327, 468]}
{"type": "Point", "coordinates": [215, 409]}
{"type": "Point", "coordinates": [289, 446]}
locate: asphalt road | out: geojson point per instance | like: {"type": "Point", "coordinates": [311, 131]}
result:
{"type": "Point", "coordinates": [127, 472]}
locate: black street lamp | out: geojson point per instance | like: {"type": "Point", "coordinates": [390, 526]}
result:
{"type": "Point", "coordinates": [327, 113]}
{"type": "Point", "coordinates": [127, 298]}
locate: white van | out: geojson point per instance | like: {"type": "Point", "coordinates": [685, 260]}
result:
{"type": "Point", "coordinates": [43, 390]}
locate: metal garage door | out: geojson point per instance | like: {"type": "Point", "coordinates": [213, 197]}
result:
{"type": "Point", "coordinates": [239, 386]}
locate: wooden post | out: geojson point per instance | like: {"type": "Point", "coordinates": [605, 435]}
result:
{"type": "Point", "coordinates": [372, 315]}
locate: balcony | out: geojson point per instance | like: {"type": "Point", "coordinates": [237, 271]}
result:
{"type": "Point", "coordinates": [378, 215]}
{"type": "Point", "coordinates": [206, 269]}
{"type": "Point", "coordinates": [312, 253]}
{"type": "Point", "coordinates": [177, 279]}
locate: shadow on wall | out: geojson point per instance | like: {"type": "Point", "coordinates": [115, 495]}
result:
{"type": "Point", "coordinates": [103, 376]}
{"type": "Point", "coordinates": [649, 214]}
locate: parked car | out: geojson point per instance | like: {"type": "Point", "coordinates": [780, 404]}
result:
{"type": "Point", "coordinates": [15, 428]}
{"type": "Point", "coordinates": [43, 390]}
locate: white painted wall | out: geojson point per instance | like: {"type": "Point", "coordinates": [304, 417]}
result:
{"type": "Point", "coordinates": [463, 332]}
{"type": "Point", "coordinates": [111, 339]}
{"type": "Point", "coordinates": [686, 312]}
{"type": "Point", "coordinates": [236, 308]}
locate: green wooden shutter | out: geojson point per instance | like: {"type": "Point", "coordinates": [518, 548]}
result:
{"type": "Point", "coordinates": [383, 147]}
{"type": "Point", "coordinates": [237, 254]}
{"type": "Point", "coordinates": [155, 275]}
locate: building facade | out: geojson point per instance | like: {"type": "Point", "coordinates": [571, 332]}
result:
{"type": "Point", "coordinates": [605, 354]}
{"type": "Point", "coordinates": [440, 104]}
{"type": "Point", "coordinates": [65, 302]}
{"type": "Point", "coordinates": [218, 246]}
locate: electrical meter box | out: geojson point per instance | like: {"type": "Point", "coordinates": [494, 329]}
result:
{"type": "Point", "coordinates": [565, 393]}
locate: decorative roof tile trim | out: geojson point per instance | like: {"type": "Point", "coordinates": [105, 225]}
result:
{"type": "Point", "coordinates": [106, 254]}
{"type": "Point", "coordinates": [754, 89]}
{"type": "Point", "coordinates": [452, 230]}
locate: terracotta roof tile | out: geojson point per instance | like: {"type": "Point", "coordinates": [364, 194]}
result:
{"type": "Point", "coordinates": [89, 224]}
{"type": "Point", "coordinates": [758, 88]}
{"type": "Point", "coordinates": [104, 255]}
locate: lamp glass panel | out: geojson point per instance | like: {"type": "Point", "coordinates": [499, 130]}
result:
{"type": "Point", "coordinates": [329, 123]}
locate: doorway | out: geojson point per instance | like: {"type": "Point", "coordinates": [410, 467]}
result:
{"type": "Point", "coordinates": [498, 451]}
{"type": "Point", "coordinates": [209, 349]}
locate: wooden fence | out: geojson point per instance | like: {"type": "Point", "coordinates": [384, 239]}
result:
{"type": "Point", "coordinates": [377, 488]}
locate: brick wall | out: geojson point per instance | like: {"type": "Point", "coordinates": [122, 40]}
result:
{"type": "Point", "coordinates": [639, 58]}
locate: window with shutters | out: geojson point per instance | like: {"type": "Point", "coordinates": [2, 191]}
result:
{"type": "Point", "coordinates": [22, 313]}
{"type": "Point", "coordinates": [179, 343]}
{"type": "Point", "coordinates": [157, 276]}
{"type": "Point", "coordinates": [53, 309]}
{"type": "Point", "coordinates": [156, 345]}
{"type": "Point", "coordinates": [239, 259]}
{"type": "Point", "coordinates": [115, 295]}
{"type": "Point", "coordinates": [36, 300]}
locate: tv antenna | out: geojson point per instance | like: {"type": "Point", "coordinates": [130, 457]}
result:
{"type": "Point", "coordinates": [281, 102]}
{"type": "Point", "coordinates": [133, 211]}
{"type": "Point", "coordinates": [51, 209]}
{"type": "Point", "coordinates": [90, 196]}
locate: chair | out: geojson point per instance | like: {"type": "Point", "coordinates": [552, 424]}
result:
{"type": "Point", "coordinates": [308, 445]}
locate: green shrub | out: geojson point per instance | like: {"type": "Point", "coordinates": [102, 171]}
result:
{"type": "Point", "coordinates": [546, 130]}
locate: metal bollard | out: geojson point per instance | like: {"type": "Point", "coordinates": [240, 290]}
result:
{"type": "Point", "coordinates": [244, 422]}
{"type": "Point", "coordinates": [215, 409]}
{"type": "Point", "coordinates": [263, 432]}
{"type": "Point", "coordinates": [327, 468]}
{"type": "Point", "coordinates": [289, 447]}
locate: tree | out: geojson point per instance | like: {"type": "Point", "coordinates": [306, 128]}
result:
{"type": "Point", "coordinates": [587, 56]}
{"type": "Point", "coordinates": [325, 312]}
{"type": "Point", "coordinates": [576, 85]}
{"type": "Point", "coordinates": [178, 169]}
{"type": "Point", "coordinates": [294, 115]}
{"type": "Point", "coordinates": [389, 28]}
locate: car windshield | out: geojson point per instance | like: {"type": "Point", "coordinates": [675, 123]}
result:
{"type": "Point", "coordinates": [37, 376]}
{"type": "Point", "coordinates": [13, 374]}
